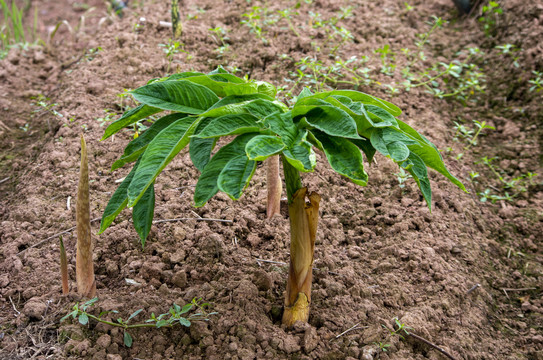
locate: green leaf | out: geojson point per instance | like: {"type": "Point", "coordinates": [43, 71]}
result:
{"type": "Point", "coordinates": [344, 157]}
{"type": "Point", "coordinates": [118, 201]}
{"type": "Point", "coordinates": [227, 84]}
{"type": "Point", "coordinates": [200, 149]}
{"type": "Point", "coordinates": [182, 96]}
{"type": "Point", "coordinates": [327, 118]}
{"type": "Point", "coordinates": [355, 110]}
{"type": "Point", "coordinates": [134, 314]}
{"type": "Point", "coordinates": [207, 187]}
{"type": "Point", "coordinates": [176, 308]}
{"type": "Point", "coordinates": [282, 125]}
{"type": "Point", "coordinates": [261, 147]}
{"type": "Point", "coordinates": [72, 314]}
{"type": "Point", "coordinates": [366, 147]}
{"type": "Point", "coordinates": [417, 168]}
{"type": "Point", "coordinates": [233, 124]}
{"type": "Point", "coordinates": [428, 153]}
{"type": "Point", "coordinates": [236, 175]}
{"type": "Point", "coordinates": [236, 99]}
{"type": "Point", "coordinates": [363, 98]}
{"type": "Point", "coordinates": [218, 70]}
{"type": "Point", "coordinates": [143, 212]}
{"type": "Point", "coordinates": [304, 93]}
{"type": "Point", "coordinates": [130, 117]}
{"type": "Point", "coordinates": [259, 108]}
{"type": "Point", "coordinates": [83, 319]}
{"type": "Point", "coordinates": [160, 151]}
{"type": "Point", "coordinates": [396, 150]}
{"type": "Point", "coordinates": [186, 308]}
{"type": "Point", "coordinates": [380, 117]}
{"type": "Point", "coordinates": [184, 322]}
{"type": "Point", "coordinates": [301, 156]}
{"type": "Point", "coordinates": [137, 146]}
{"type": "Point", "coordinates": [179, 76]}
{"type": "Point", "coordinates": [127, 339]}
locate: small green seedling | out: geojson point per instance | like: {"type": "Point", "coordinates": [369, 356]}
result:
{"type": "Point", "coordinates": [177, 315]}
{"type": "Point", "coordinates": [344, 125]}
{"type": "Point", "coordinates": [489, 19]}
{"type": "Point", "coordinates": [537, 82]}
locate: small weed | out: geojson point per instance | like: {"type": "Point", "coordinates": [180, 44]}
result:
{"type": "Point", "coordinates": [256, 20]}
{"type": "Point", "coordinates": [489, 18]}
{"type": "Point", "coordinates": [220, 36]}
{"type": "Point", "coordinates": [382, 346]}
{"type": "Point", "coordinates": [400, 332]}
{"type": "Point", "coordinates": [537, 82]}
{"type": "Point", "coordinates": [44, 106]}
{"type": "Point", "coordinates": [510, 50]}
{"type": "Point", "coordinates": [176, 315]}
{"type": "Point", "coordinates": [515, 185]}
{"type": "Point", "coordinates": [469, 135]}
{"type": "Point", "coordinates": [172, 48]}
{"type": "Point", "coordinates": [12, 31]}
{"type": "Point", "coordinates": [91, 53]}
{"type": "Point", "coordinates": [388, 59]}
{"type": "Point", "coordinates": [287, 16]}
{"type": "Point", "coordinates": [108, 117]}
{"type": "Point", "coordinates": [199, 11]}
{"type": "Point", "coordinates": [402, 177]}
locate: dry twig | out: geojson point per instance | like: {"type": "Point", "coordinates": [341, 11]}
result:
{"type": "Point", "coordinates": [14, 308]}
{"type": "Point", "coordinates": [432, 345]}
{"type": "Point", "coordinates": [474, 287]}
{"type": "Point", "coordinates": [352, 328]}
{"type": "Point", "coordinates": [52, 237]}
{"type": "Point", "coordinates": [186, 219]}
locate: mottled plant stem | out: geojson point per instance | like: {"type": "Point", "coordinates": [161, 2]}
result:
{"type": "Point", "coordinates": [84, 268]}
{"type": "Point", "coordinates": [274, 186]}
{"type": "Point", "coordinates": [64, 268]}
{"type": "Point", "coordinates": [303, 231]}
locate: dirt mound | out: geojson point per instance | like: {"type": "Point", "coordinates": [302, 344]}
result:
{"type": "Point", "coordinates": [467, 276]}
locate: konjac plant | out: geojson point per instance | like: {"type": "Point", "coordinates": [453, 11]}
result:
{"type": "Point", "coordinates": [345, 125]}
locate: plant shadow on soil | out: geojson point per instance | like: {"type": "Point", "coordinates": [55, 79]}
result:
{"type": "Point", "coordinates": [380, 253]}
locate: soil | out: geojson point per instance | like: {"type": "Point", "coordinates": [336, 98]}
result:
{"type": "Point", "coordinates": [467, 277]}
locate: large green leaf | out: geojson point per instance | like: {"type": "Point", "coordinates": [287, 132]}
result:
{"type": "Point", "coordinates": [363, 98]}
{"type": "Point", "coordinates": [282, 125]}
{"type": "Point", "coordinates": [143, 212]}
{"type": "Point", "coordinates": [344, 157]}
{"type": "Point", "coordinates": [232, 124]}
{"type": "Point", "coordinates": [236, 99]}
{"type": "Point", "coordinates": [137, 146]}
{"type": "Point", "coordinates": [355, 110]}
{"type": "Point", "coordinates": [428, 153]}
{"type": "Point", "coordinates": [236, 175]}
{"type": "Point", "coordinates": [200, 149]}
{"type": "Point", "coordinates": [321, 115]}
{"type": "Point", "coordinates": [118, 201]}
{"type": "Point", "coordinates": [160, 151]}
{"type": "Point", "coordinates": [227, 84]}
{"type": "Point", "coordinates": [207, 187]}
{"type": "Point", "coordinates": [261, 147]}
{"type": "Point", "coordinates": [179, 76]}
{"type": "Point", "coordinates": [366, 147]}
{"type": "Point", "coordinates": [259, 108]}
{"type": "Point", "coordinates": [416, 167]}
{"type": "Point", "coordinates": [396, 150]}
{"type": "Point", "coordinates": [379, 117]}
{"type": "Point", "coordinates": [301, 156]}
{"type": "Point", "coordinates": [182, 96]}
{"type": "Point", "coordinates": [130, 117]}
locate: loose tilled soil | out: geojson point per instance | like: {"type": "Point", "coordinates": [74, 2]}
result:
{"type": "Point", "coordinates": [380, 253]}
